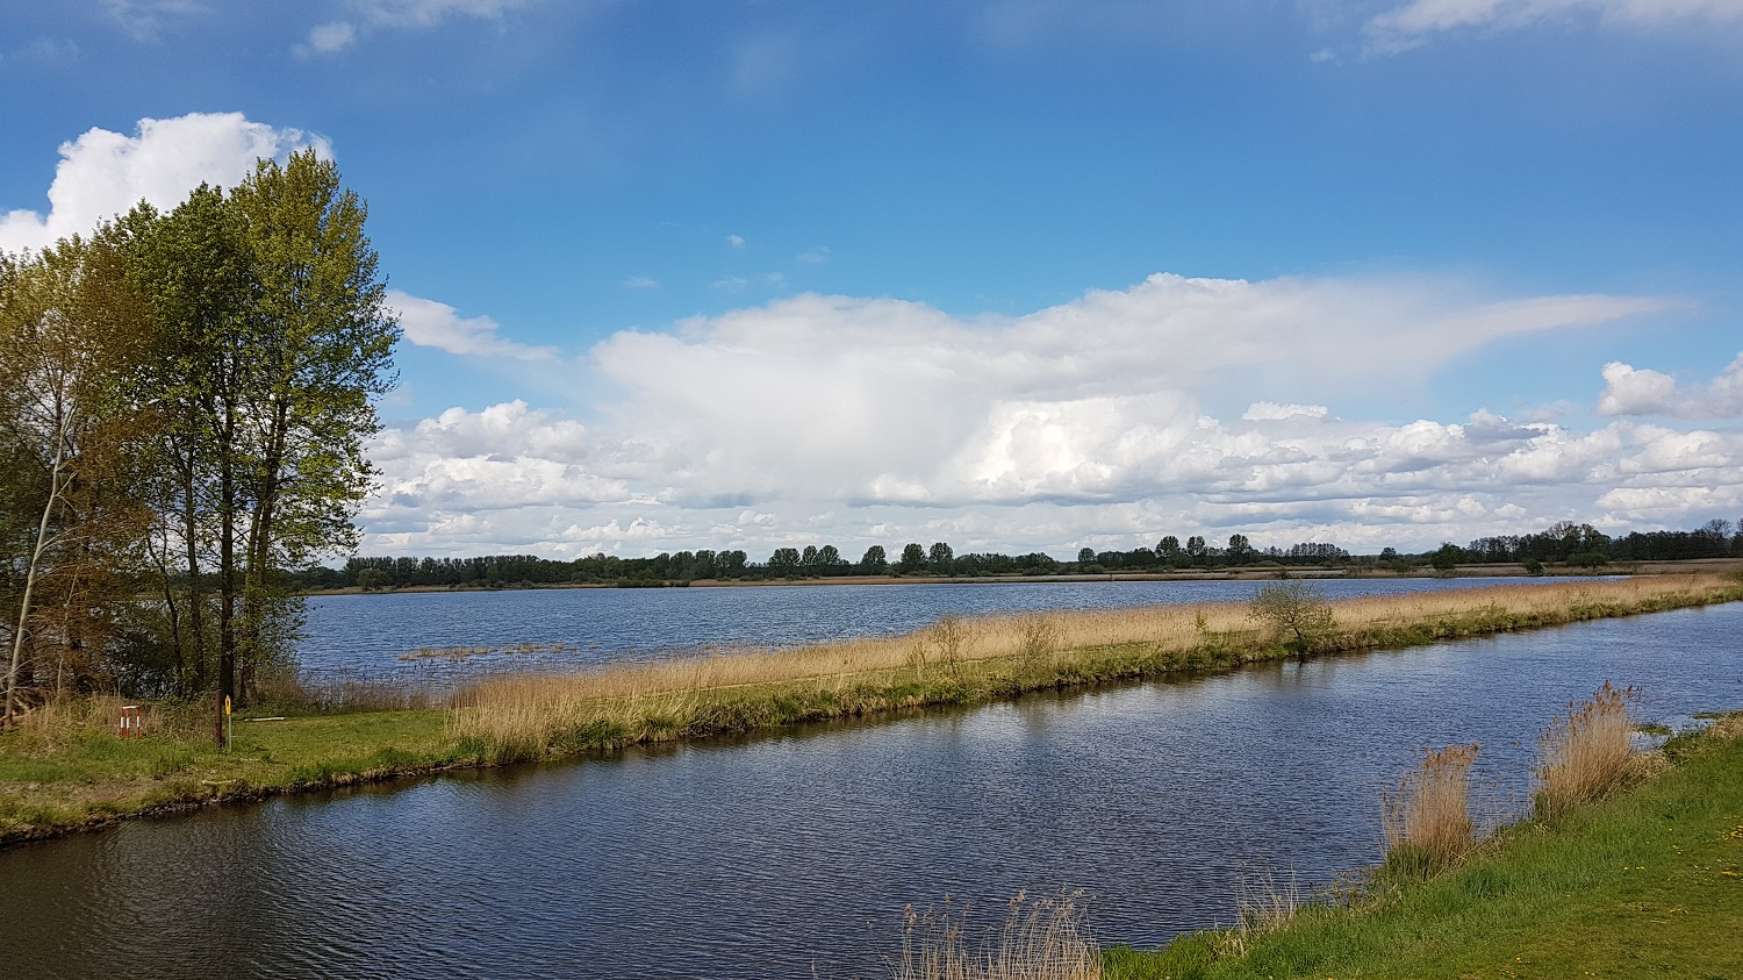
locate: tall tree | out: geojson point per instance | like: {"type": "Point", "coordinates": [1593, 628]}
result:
{"type": "Point", "coordinates": [69, 347]}
{"type": "Point", "coordinates": [321, 338]}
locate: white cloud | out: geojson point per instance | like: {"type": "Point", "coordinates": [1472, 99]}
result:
{"type": "Point", "coordinates": [103, 173]}
{"type": "Point", "coordinates": [1276, 412]}
{"type": "Point", "coordinates": [731, 284]}
{"type": "Point", "coordinates": [44, 51]}
{"type": "Point", "coordinates": [1641, 391]}
{"type": "Point", "coordinates": [144, 20]}
{"type": "Point", "coordinates": [735, 241]}
{"type": "Point", "coordinates": [328, 39]}
{"type": "Point", "coordinates": [814, 256]}
{"type": "Point", "coordinates": [1419, 21]}
{"type": "Point", "coordinates": [874, 421]}
{"type": "Point", "coordinates": [373, 15]}
{"type": "Point", "coordinates": [428, 323]}
{"type": "Point", "coordinates": [641, 282]}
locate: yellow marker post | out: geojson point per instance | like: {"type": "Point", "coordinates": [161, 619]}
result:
{"type": "Point", "coordinates": [227, 726]}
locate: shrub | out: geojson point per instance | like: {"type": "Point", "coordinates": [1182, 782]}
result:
{"type": "Point", "coordinates": [949, 639]}
{"type": "Point", "coordinates": [1533, 567]}
{"type": "Point", "coordinates": [1297, 612]}
{"type": "Point", "coordinates": [1586, 753]}
{"type": "Point", "coordinates": [1037, 638]}
{"type": "Point", "coordinates": [1427, 820]}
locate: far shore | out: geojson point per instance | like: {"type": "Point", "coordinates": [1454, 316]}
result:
{"type": "Point", "coordinates": [1237, 574]}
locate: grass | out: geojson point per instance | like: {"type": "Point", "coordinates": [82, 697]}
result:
{"type": "Point", "coordinates": [65, 769]}
{"type": "Point", "coordinates": [1644, 882]}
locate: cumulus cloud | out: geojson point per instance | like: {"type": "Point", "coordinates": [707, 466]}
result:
{"type": "Point", "coordinates": [1419, 21]}
{"type": "Point", "coordinates": [1641, 391]}
{"type": "Point", "coordinates": [735, 241]}
{"type": "Point", "coordinates": [876, 421]}
{"type": "Point", "coordinates": [103, 173]}
{"type": "Point", "coordinates": [429, 323]}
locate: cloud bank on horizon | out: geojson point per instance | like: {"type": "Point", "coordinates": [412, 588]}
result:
{"type": "Point", "coordinates": [859, 420]}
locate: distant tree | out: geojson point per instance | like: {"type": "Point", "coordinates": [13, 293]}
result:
{"type": "Point", "coordinates": [1168, 547]}
{"type": "Point", "coordinates": [784, 561]}
{"type": "Point", "coordinates": [1533, 567]}
{"type": "Point", "coordinates": [1238, 547]}
{"type": "Point", "coordinates": [874, 562]}
{"type": "Point", "coordinates": [809, 558]}
{"type": "Point", "coordinates": [829, 557]}
{"type": "Point", "coordinates": [1447, 557]}
{"type": "Point", "coordinates": [1195, 546]}
{"type": "Point", "coordinates": [1086, 556]}
{"type": "Point", "coordinates": [1388, 554]}
{"type": "Point", "coordinates": [913, 558]}
{"type": "Point", "coordinates": [940, 557]}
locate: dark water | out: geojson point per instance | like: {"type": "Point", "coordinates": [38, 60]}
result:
{"type": "Point", "coordinates": [361, 637]}
{"type": "Point", "coordinates": [779, 856]}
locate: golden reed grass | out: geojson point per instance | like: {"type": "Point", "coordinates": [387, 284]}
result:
{"type": "Point", "coordinates": [529, 709]}
{"type": "Point", "coordinates": [1041, 940]}
{"type": "Point", "coordinates": [1587, 752]}
{"type": "Point", "coordinates": [1427, 820]}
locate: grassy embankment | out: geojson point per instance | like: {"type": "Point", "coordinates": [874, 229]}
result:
{"type": "Point", "coordinates": [1647, 882]}
{"type": "Point", "coordinates": [65, 769]}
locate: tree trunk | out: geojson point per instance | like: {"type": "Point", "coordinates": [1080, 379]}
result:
{"type": "Point", "coordinates": [226, 576]}
{"type": "Point", "coordinates": [260, 549]}
{"type": "Point", "coordinates": [54, 492]}
{"type": "Point", "coordinates": [196, 604]}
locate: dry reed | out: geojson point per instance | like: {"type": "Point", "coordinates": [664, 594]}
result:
{"type": "Point", "coordinates": [1046, 939]}
{"type": "Point", "coordinates": [1263, 906]}
{"type": "Point", "coordinates": [1586, 753]}
{"type": "Point", "coordinates": [529, 710]}
{"type": "Point", "coordinates": [1427, 820]}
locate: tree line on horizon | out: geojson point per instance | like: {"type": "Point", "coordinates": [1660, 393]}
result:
{"type": "Point", "coordinates": [1565, 543]}
{"type": "Point", "coordinates": [185, 397]}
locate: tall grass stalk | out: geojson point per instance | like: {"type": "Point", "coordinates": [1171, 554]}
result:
{"type": "Point", "coordinates": [1043, 939]}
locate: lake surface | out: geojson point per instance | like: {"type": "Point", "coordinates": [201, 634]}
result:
{"type": "Point", "coordinates": [362, 637]}
{"type": "Point", "coordinates": [781, 856]}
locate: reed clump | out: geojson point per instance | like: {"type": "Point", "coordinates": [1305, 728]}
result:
{"type": "Point", "coordinates": [1043, 939]}
{"type": "Point", "coordinates": [1427, 819]}
{"type": "Point", "coordinates": [1586, 752]}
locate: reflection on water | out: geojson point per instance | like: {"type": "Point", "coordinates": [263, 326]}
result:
{"type": "Point", "coordinates": [774, 857]}
{"type": "Point", "coordinates": [361, 637]}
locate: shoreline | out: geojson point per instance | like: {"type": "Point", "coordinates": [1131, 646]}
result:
{"type": "Point", "coordinates": [1236, 574]}
{"type": "Point", "coordinates": [47, 788]}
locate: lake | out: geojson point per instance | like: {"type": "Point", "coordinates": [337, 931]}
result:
{"type": "Point", "coordinates": [362, 637]}
{"type": "Point", "coordinates": [793, 856]}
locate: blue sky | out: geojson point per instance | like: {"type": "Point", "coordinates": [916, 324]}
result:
{"type": "Point", "coordinates": [576, 171]}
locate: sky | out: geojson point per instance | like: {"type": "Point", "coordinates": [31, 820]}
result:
{"type": "Point", "coordinates": [1013, 274]}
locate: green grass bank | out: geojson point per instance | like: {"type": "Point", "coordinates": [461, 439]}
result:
{"type": "Point", "coordinates": [1647, 883]}
{"type": "Point", "coordinates": [65, 769]}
